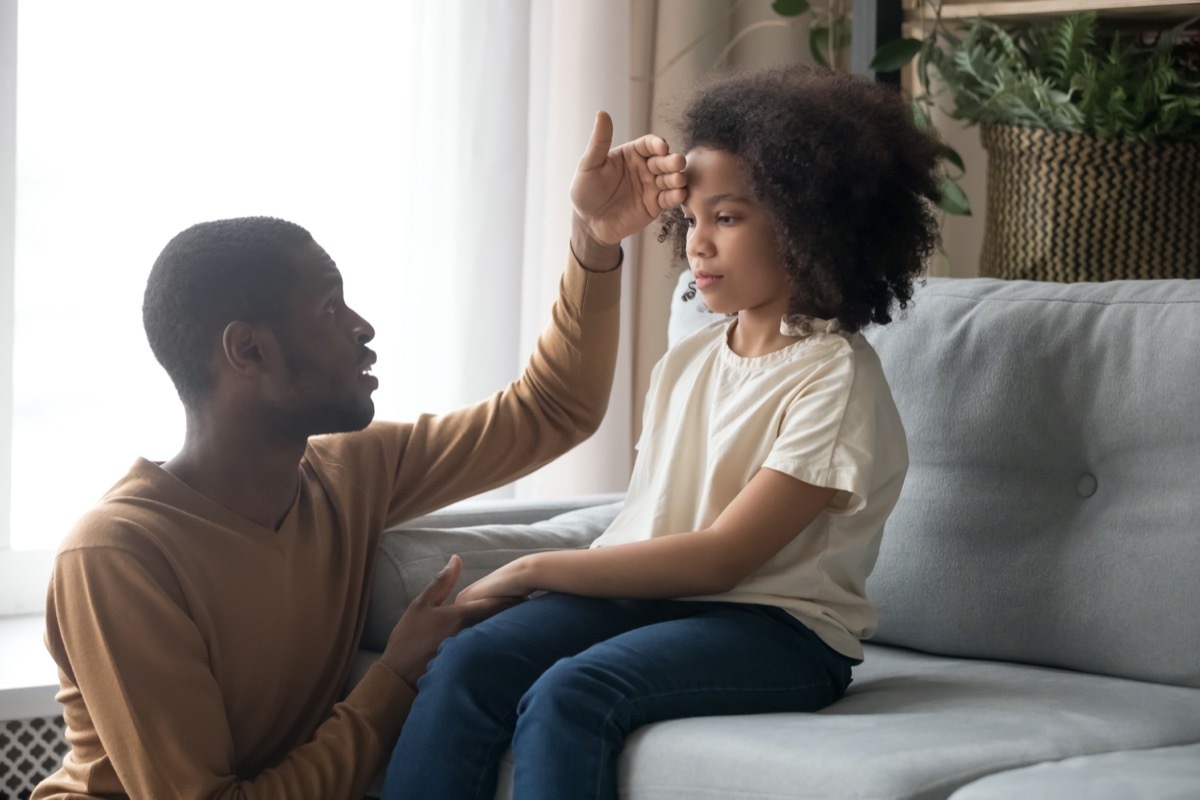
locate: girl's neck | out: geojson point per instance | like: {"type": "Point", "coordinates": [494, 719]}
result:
{"type": "Point", "coordinates": [755, 335]}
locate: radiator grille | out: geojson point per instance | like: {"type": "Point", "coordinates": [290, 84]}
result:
{"type": "Point", "coordinates": [30, 749]}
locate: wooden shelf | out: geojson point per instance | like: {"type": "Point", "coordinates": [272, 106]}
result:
{"type": "Point", "coordinates": [1025, 9]}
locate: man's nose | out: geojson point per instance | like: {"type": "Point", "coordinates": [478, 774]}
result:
{"type": "Point", "coordinates": [363, 331]}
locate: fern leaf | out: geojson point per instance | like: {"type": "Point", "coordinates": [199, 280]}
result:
{"type": "Point", "coordinates": [1067, 40]}
{"type": "Point", "coordinates": [1069, 75]}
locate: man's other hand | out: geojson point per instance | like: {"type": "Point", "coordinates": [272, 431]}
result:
{"type": "Point", "coordinates": [428, 620]}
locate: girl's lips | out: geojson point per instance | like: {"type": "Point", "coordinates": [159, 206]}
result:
{"type": "Point", "coordinates": [704, 280]}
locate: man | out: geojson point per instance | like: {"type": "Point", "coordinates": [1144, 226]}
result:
{"type": "Point", "coordinates": [204, 616]}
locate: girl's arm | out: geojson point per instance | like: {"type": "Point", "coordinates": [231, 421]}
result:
{"type": "Point", "coordinates": [771, 511]}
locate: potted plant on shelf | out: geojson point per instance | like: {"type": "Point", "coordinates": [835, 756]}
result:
{"type": "Point", "coordinates": [1093, 137]}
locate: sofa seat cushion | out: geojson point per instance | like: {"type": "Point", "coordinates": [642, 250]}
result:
{"type": "Point", "coordinates": [1164, 773]}
{"type": "Point", "coordinates": [911, 726]}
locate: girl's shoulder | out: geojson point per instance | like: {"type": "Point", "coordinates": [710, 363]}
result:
{"type": "Point", "coordinates": [702, 339]}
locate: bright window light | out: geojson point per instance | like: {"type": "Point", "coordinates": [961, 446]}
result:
{"type": "Point", "coordinates": [137, 119]}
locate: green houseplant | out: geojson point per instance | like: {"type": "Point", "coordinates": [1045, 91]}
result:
{"type": "Point", "coordinates": [1093, 136]}
{"type": "Point", "coordinates": [1068, 74]}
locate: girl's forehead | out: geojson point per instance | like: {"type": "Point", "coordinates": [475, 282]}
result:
{"type": "Point", "coordinates": [711, 170]}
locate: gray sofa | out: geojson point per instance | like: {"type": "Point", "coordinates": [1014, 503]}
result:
{"type": "Point", "coordinates": [1038, 583]}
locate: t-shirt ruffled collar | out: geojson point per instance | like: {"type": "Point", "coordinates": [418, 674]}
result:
{"type": "Point", "coordinates": [807, 332]}
{"type": "Point", "coordinates": [804, 325]}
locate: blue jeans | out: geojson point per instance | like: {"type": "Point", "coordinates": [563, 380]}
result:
{"type": "Point", "coordinates": [565, 679]}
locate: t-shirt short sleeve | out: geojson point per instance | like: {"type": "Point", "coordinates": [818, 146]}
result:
{"type": "Point", "coordinates": [827, 433]}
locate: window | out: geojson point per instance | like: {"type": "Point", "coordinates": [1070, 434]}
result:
{"type": "Point", "coordinates": [165, 114]}
{"type": "Point", "coordinates": [137, 118]}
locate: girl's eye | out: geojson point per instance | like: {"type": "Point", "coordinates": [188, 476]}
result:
{"type": "Point", "coordinates": [689, 222]}
{"type": "Point", "coordinates": [726, 219]}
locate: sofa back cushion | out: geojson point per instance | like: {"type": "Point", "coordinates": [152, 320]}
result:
{"type": "Point", "coordinates": [1051, 513]}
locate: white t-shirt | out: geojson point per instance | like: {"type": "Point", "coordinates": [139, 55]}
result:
{"type": "Point", "coordinates": [819, 410]}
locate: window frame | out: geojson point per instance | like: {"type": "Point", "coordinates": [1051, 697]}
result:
{"type": "Point", "coordinates": [23, 573]}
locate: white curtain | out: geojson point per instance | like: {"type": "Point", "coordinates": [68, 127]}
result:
{"type": "Point", "coordinates": [498, 139]}
{"type": "Point", "coordinates": [579, 64]}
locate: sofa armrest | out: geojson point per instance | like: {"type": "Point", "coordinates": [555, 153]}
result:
{"type": "Point", "coordinates": [505, 512]}
{"type": "Point", "coordinates": [486, 536]}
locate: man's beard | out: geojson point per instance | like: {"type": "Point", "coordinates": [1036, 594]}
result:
{"type": "Point", "coordinates": [347, 414]}
{"type": "Point", "coordinates": [326, 418]}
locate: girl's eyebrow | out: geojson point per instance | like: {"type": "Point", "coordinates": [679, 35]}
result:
{"type": "Point", "coordinates": [720, 198]}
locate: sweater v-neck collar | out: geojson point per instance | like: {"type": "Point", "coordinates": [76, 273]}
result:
{"type": "Point", "coordinates": [183, 496]}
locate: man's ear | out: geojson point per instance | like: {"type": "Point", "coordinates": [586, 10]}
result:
{"type": "Point", "coordinates": [245, 347]}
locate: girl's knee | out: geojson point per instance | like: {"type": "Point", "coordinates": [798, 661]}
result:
{"type": "Point", "coordinates": [462, 657]}
{"type": "Point", "coordinates": [566, 676]}
{"type": "Point", "coordinates": [573, 709]}
{"type": "Point", "coordinates": [573, 687]}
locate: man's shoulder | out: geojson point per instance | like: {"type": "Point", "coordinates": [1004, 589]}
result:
{"type": "Point", "coordinates": [111, 523]}
{"type": "Point", "coordinates": [343, 461]}
{"type": "Point", "coordinates": [124, 514]}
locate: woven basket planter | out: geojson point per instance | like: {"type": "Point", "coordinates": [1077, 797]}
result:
{"type": "Point", "coordinates": [1070, 207]}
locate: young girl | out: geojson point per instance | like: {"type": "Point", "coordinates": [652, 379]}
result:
{"type": "Point", "coordinates": [732, 581]}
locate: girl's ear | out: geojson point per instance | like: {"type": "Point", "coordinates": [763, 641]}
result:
{"type": "Point", "coordinates": [246, 347]}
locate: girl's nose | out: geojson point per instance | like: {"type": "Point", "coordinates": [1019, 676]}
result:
{"type": "Point", "coordinates": [699, 243]}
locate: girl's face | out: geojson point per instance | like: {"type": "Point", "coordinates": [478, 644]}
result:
{"type": "Point", "coordinates": [731, 239]}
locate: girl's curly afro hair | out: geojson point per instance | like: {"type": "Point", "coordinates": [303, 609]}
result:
{"type": "Point", "coordinates": [849, 179]}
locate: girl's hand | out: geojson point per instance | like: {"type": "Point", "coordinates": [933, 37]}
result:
{"type": "Point", "coordinates": [509, 582]}
{"type": "Point", "coordinates": [619, 191]}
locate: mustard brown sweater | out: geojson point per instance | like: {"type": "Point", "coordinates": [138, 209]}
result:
{"type": "Point", "coordinates": [203, 656]}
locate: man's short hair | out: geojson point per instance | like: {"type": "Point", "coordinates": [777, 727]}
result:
{"type": "Point", "coordinates": [210, 275]}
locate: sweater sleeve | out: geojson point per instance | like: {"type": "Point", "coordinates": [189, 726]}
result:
{"type": "Point", "coordinates": [123, 639]}
{"type": "Point", "coordinates": [557, 402]}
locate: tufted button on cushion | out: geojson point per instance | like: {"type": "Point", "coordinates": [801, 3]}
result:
{"type": "Point", "coordinates": [1087, 485]}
